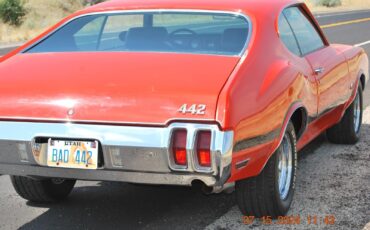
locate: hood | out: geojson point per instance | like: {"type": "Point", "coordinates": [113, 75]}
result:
{"type": "Point", "coordinates": [144, 88]}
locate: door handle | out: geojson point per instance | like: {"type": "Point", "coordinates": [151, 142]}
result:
{"type": "Point", "coordinates": [319, 70]}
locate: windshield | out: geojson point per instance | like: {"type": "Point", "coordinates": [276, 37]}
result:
{"type": "Point", "coordinates": [180, 32]}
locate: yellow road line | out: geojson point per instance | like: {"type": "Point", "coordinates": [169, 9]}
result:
{"type": "Point", "coordinates": [345, 23]}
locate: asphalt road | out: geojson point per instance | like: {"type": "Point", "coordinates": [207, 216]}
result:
{"type": "Point", "coordinates": [332, 180]}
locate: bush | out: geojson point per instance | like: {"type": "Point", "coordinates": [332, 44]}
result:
{"type": "Point", "coordinates": [329, 3]}
{"type": "Point", "coordinates": [66, 5]}
{"type": "Point", "coordinates": [12, 11]}
{"type": "Point", "coordinates": [93, 2]}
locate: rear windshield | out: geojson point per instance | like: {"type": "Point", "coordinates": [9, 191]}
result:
{"type": "Point", "coordinates": [180, 32]}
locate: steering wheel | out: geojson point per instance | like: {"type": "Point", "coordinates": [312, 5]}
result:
{"type": "Point", "coordinates": [179, 42]}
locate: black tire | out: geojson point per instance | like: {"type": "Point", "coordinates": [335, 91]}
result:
{"type": "Point", "coordinates": [43, 191]}
{"type": "Point", "coordinates": [345, 131]}
{"type": "Point", "coordinates": [259, 196]}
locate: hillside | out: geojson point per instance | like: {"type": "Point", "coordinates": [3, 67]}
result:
{"type": "Point", "coordinates": [40, 15]}
{"type": "Point", "coordinates": [44, 13]}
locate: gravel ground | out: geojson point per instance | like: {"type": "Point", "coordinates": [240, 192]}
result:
{"type": "Point", "coordinates": [342, 171]}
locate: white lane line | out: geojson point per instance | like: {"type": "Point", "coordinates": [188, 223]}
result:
{"type": "Point", "coordinates": [362, 44]}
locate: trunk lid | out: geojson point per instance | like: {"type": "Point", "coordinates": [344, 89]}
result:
{"type": "Point", "coordinates": [144, 88]}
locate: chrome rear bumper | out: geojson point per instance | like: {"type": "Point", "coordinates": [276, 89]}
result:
{"type": "Point", "coordinates": [129, 153]}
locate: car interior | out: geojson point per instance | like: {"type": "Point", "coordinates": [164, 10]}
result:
{"type": "Point", "coordinates": [221, 37]}
{"type": "Point", "coordinates": [158, 38]}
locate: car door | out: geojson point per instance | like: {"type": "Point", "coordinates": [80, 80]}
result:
{"type": "Point", "coordinates": [328, 65]}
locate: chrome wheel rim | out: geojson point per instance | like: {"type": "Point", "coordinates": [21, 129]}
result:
{"type": "Point", "coordinates": [357, 113]}
{"type": "Point", "coordinates": [285, 162]}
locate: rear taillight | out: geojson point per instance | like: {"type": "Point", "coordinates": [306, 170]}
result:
{"type": "Point", "coordinates": [204, 148]}
{"type": "Point", "coordinates": [179, 147]}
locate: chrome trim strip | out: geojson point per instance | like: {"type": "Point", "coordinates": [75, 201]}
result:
{"type": "Point", "coordinates": [98, 122]}
{"type": "Point", "coordinates": [107, 135]}
{"type": "Point", "coordinates": [110, 12]}
{"type": "Point", "coordinates": [241, 164]}
{"type": "Point", "coordinates": [255, 141]}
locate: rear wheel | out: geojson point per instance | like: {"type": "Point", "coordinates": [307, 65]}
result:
{"type": "Point", "coordinates": [347, 131]}
{"type": "Point", "coordinates": [47, 190]}
{"type": "Point", "coordinates": [271, 192]}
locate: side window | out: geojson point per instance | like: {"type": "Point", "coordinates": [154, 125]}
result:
{"type": "Point", "coordinates": [307, 36]}
{"type": "Point", "coordinates": [287, 36]}
{"type": "Point", "coordinates": [87, 38]}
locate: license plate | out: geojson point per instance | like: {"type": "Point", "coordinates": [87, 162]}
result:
{"type": "Point", "coordinates": [72, 154]}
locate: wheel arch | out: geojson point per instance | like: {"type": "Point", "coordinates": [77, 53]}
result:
{"type": "Point", "coordinates": [299, 119]}
{"type": "Point", "coordinates": [297, 112]}
{"type": "Point", "coordinates": [298, 115]}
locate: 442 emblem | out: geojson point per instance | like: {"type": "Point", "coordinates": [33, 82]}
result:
{"type": "Point", "coordinates": [195, 109]}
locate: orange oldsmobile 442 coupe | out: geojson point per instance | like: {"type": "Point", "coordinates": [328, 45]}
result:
{"type": "Point", "coordinates": [220, 94]}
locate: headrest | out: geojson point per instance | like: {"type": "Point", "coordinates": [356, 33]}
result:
{"type": "Point", "coordinates": [146, 37]}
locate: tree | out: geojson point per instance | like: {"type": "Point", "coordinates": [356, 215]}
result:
{"type": "Point", "coordinates": [93, 2]}
{"type": "Point", "coordinates": [12, 11]}
{"type": "Point", "coordinates": [329, 3]}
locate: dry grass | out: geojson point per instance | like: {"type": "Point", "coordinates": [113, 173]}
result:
{"type": "Point", "coordinates": [346, 5]}
{"type": "Point", "coordinates": [41, 14]}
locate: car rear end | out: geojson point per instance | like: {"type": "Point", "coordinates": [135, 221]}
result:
{"type": "Point", "coordinates": [112, 110]}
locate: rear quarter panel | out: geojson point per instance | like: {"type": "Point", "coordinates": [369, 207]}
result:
{"type": "Point", "coordinates": [256, 99]}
